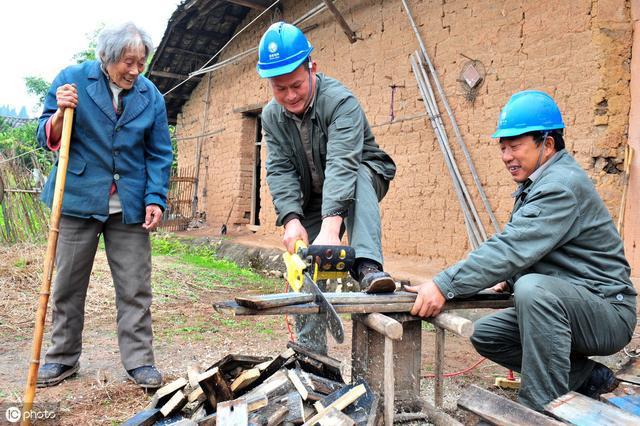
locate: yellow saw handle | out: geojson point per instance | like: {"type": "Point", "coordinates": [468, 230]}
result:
{"type": "Point", "coordinates": [296, 267]}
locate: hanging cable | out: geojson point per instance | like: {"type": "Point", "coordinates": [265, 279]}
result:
{"type": "Point", "coordinates": [222, 48]}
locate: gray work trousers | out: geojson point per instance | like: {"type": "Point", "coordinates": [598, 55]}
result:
{"type": "Point", "coordinates": [365, 236]}
{"type": "Point", "coordinates": [548, 335]}
{"type": "Point", "coordinates": [128, 252]}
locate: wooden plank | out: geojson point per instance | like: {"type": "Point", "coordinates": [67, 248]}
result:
{"type": "Point", "coordinates": [192, 374]}
{"type": "Point", "coordinates": [252, 4]}
{"type": "Point", "coordinates": [275, 386]}
{"type": "Point", "coordinates": [144, 418]}
{"type": "Point", "coordinates": [246, 378]}
{"type": "Point", "coordinates": [501, 411]}
{"type": "Point", "coordinates": [209, 420]}
{"type": "Point", "coordinates": [264, 301]}
{"type": "Point", "coordinates": [364, 411]}
{"type": "Point", "coordinates": [439, 368]}
{"type": "Point", "coordinates": [175, 404]}
{"type": "Point", "coordinates": [232, 362]}
{"type": "Point", "coordinates": [196, 394]}
{"type": "Point", "coordinates": [337, 418]}
{"type": "Point", "coordinates": [626, 397]}
{"type": "Point", "coordinates": [341, 403]}
{"type": "Point", "coordinates": [233, 413]}
{"type": "Point", "coordinates": [389, 380]}
{"type": "Point", "coordinates": [274, 300]}
{"type": "Point", "coordinates": [367, 361]}
{"type": "Point", "coordinates": [320, 384]}
{"type": "Point", "coordinates": [268, 368]}
{"type": "Point", "coordinates": [297, 383]}
{"type": "Point", "coordinates": [354, 298]}
{"type": "Point", "coordinates": [331, 367]}
{"type": "Point", "coordinates": [215, 387]}
{"type": "Point", "coordinates": [269, 415]}
{"type": "Point", "coordinates": [630, 372]}
{"type": "Point", "coordinates": [232, 307]}
{"type": "Point", "coordinates": [198, 414]}
{"type": "Point", "coordinates": [435, 415]}
{"type": "Point", "coordinates": [295, 408]}
{"type": "Point", "coordinates": [581, 410]}
{"type": "Point", "coordinates": [171, 75]}
{"type": "Point", "coordinates": [172, 387]}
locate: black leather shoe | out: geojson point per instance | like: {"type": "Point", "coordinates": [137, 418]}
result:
{"type": "Point", "coordinates": [146, 377]}
{"type": "Point", "coordinates": [51, 373]}
{"type": "Point", "coordinates": [373, 280]}
{"type": "Point", "coordinates": [602, 380]}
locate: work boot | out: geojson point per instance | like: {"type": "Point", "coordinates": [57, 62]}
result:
{"type": "Point", "coordinates": [52, 373]}
{"type": "Point", "coordinates": [147, 377]}
{"type": "Point", "coordinates": [602, 380]}
{"type": "Point", "coordinates": [373, 280]}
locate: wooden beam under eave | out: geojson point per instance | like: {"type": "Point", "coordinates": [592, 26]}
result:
{"type": "Point", "coordinates": [252, 4]}
{"type": "Point", "coordinates": [178, 96]}
{"type": "Point", "coordinates": [180, 50]}
{"type": "Point", "coordinates": [173, 75]}
{"type": "Point", "coordinates": [345, 27]}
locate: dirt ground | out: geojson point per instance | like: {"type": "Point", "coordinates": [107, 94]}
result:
{"type": "Point", "coordinates": [186, 328]}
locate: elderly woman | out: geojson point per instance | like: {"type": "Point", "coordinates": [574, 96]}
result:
{"type": "Point", "coordinates": [117, 181]}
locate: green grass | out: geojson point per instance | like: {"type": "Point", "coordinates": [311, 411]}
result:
{"type": "Point", "coordinates": [428, 326]}
{"type": "Point", "coordinates": [188, 328]}
{"type": "Point", "coordinates": [186, 272]}
{"type": "Point", "coordinates": [205, 269]}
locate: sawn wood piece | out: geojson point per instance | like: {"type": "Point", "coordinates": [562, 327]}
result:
{"type": "Point", "coordinates": [233, 308]}
{"type": "Point", "coordinates": [576, 408]}
{"type": "Point", "coordinates": [501, 411]}
{"type": "Point", "coordinates": [269, 301]}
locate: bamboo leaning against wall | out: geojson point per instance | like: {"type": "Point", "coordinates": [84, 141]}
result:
{"type": "Point", "coordinates": [56, 211]}
{"type": "Point", "coordinates": [475, 229]}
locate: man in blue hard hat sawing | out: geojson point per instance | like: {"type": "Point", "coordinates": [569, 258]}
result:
{"type": "Point", "coordinates": [325, 170]}
{"type": "Point", "coordinates": [561, 256]}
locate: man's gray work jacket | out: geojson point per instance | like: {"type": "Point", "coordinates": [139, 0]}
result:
{"type": "Point", "coordinates": [341, 140]}
{"type": "Point", "coordinates": [559, 227]}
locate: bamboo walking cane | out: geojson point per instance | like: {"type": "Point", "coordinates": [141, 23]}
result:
{"type": "Point", "coordinates": [56, 209]}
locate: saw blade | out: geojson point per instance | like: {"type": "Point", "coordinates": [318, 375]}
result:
{"type": "Point", "coordinates": [334, 323]}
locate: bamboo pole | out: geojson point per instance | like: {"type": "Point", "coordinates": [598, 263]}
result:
{"type": "Point", "coordinates": [454, 124]}
{"type": "Point", "coordinates": [463, 186]}
{"type": "Point", "coordinates": [625, 184]}
{"type": "Point", "coordinates": [56, 210]}
{"type": "Point", "coordinates": [472, 231]}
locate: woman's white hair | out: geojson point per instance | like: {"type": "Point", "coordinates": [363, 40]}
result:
{"type": "Point", "coordinates": [114, 41]}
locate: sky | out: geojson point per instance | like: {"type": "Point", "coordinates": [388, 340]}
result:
{"type": "Point", "coordinates": [39, 37]}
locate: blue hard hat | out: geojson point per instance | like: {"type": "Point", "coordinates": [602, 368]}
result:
{"type": "Point", "coordinates": [528, 111]}
{"type": "Point", "coordinates": [282, 49]}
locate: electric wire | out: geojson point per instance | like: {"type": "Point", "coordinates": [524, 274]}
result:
{"type": "Point", "coordinates": [222, 48]}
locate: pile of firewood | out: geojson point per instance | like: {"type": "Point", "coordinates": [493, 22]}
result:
{"type": "Point", "coordinates": [296, 387]}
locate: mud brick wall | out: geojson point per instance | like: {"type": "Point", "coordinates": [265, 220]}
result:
{"type": "Point", "coordinates": [576, 50]}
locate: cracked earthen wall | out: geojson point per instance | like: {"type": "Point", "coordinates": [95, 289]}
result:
{"type": "Point", "coordinates": [579, 51]}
